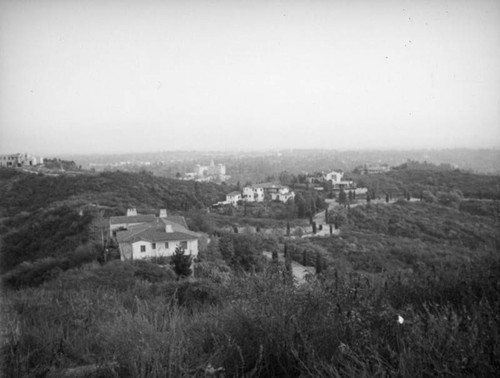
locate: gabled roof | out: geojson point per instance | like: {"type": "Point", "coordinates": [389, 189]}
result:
{"type": "Point", "coordinates": [179, 219]}
{"type": "Point", "coordinates": [154, 233]}
{"type": "Point", "coordinates": [122, 236]}
{"type": "Point", "coordinates": [146, 218]}
{"type": "Point", "coordinates": [233, 194]}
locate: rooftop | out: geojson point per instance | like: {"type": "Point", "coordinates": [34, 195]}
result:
{"type": "Point", "coordinates": [132, 219]}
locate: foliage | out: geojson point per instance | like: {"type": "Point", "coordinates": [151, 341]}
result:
{"type": "Point", "coordinates": [60, 164]}
{"type": "Point", "coordinates": [46, 269]}
{"type": "Point", "coordinates": [117, 190]}
{"type": "Point", "coordinates": [181, 263]}
{"type": "Point", "coordinates": [261, 325]}
{"type": "Point", "coordinates": [45, 233]}
{"type": "Point", "coordinates": [433, 263]}
{"type": "Point", "coordinates": [415, 181]}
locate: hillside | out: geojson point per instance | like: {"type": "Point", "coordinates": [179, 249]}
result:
{"type": "Point", "coordinates": [115, 190]}
{"type": "Point", "coordinates": [44, 216]}
{"type": "Point", "coordinates": [405, 289]}
{"type": "Point", "coordinates": [416, 181]}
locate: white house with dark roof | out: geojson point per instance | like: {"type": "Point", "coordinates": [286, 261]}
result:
{"type": "Point", "coordinates": [158, 237]}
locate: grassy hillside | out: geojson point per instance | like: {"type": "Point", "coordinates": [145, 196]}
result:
{"type": "Point", "coordinates": [114, 322]}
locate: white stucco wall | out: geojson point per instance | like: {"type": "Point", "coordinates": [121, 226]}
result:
{"type": "Point", "coordinates": [233, 199]}
{"type": "Point", "coordinates": [259, 194]}
{"type": "Point", "coordinates": [160, 251]}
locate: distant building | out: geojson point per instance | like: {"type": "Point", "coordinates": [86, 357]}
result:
{"type": "Point", "coordinates": [269, 191]}
{"type": "Point", "coordinates": [233, 198]}
{"type": "Point", "coordinates": [19, 160]}
{"type": "Point", "coordinates": [210, 172]}
{"type": "Point", "coordinates": [146, 236]}
{"type": "Point", "coordinates": [253, 194]}
{"type": "Point", "coordinates": [334, 178]}
{"type": "Point", "coordinates": [374, 169]}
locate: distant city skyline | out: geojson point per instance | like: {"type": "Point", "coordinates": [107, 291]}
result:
{"type": "Point", "coordinates": [79, 77]}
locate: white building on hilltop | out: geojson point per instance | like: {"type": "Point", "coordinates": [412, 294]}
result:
{"type": "Point", "coordinates": [19, 160]}
{"type": "Point", "coordinates": [210, 172]}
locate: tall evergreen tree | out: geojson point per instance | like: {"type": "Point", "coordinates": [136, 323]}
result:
{"type": "Point", "coordinates": [275, 255]}
{"type": "Point", "coordinates": [319, 267]}
{"type": "Point", "coordinates": [301, 205]}
{"type": "Point", "coordinates": [342, 197]}
{"type": "Point", "coordinates": [226, 248]}
{"type": "Point", "coordinates": [181, 263]}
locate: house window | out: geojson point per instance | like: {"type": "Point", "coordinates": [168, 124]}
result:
{"type": "Point", "coordinates": [166, 245]}
{"type": "Point", "coordinates": [153, 245]}
{"type": "Point", "coordinates": [184, 244]}
{"type": "Point", "coordinates": [143, 248]}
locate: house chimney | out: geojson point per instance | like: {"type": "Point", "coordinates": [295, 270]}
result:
{"type": "Point", "coordinates": [163, 213]}
{"type": "Point", "coordinates": [168, 228]}
{"type": "Point", "coordinates": [131, 212]}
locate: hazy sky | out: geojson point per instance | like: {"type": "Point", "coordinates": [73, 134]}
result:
{"type": "Point", "coordinates": [118, 76]}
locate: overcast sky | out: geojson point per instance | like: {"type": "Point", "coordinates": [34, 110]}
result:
{"type": "Point", "coordinates": [119, 76]}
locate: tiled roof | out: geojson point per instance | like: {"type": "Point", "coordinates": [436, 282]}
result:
{"type": "Point", "coordinates": [154, 234]}
{"type": "Point", "coordinates": [234, 193]}
{"type": "Point", "coordinates": [146, 218]}
{"type": "Point", "coordinates": [179, 219]}
{"type": "Point", "coordinates": [156, 231]}
{"type": "Point", "coordinates": [122, 236]}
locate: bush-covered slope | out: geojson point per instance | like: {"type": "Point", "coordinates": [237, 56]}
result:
{"type": "Point", "coordinates": [416, 181]}
{"type": "Point", "coordinates": [119, 190]}
{"type": "Point", "coordinates": [44, 216]}
{"type": "Point", "coordinates": [411, 235]}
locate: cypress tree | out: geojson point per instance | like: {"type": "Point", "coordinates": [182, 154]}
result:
{"type": "Point", "coordinates": [319, 267]}
{"type": "Point", "coordinates": [181, 263]}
